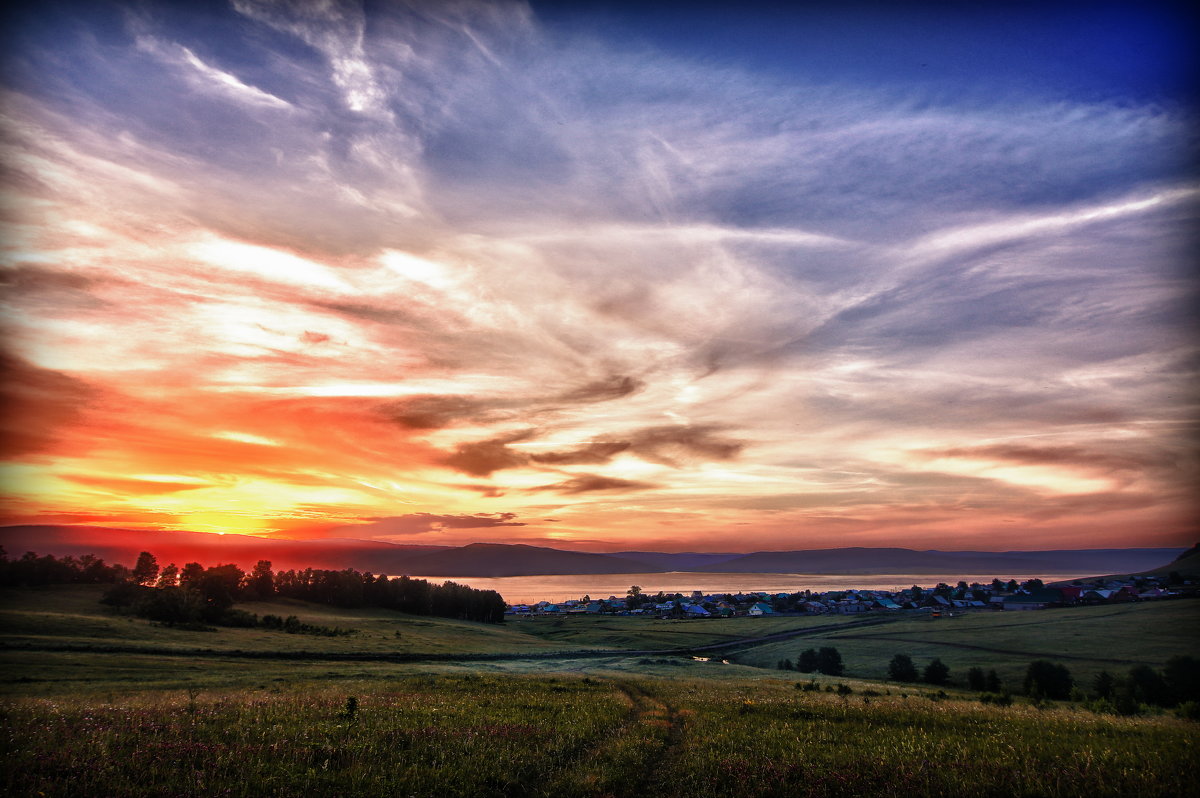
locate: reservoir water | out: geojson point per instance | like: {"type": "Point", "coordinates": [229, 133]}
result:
{"type": "Point", "coordinates": [529, 589]}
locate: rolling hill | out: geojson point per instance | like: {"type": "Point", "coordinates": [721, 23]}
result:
{"type": "Point", "coordinates": [500, 559]}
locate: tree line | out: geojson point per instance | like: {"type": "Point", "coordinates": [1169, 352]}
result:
{"type": "Point", "coordinates": [194, 593]}
{"type": "Point", "coordinates": [30, 570]}
{"type": "Point", "coordinates": [1176, 685]}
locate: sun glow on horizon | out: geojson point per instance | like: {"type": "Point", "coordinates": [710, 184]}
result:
{"type": "Point", "coordinates": [307, 270]}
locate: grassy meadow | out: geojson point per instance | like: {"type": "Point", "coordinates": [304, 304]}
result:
{"type": "Point", "coordinates": [102, 704]}
{"type": "Point", "coordinates": [572, 735]}
{"type": "Point", "coordinates": [1086, 640]}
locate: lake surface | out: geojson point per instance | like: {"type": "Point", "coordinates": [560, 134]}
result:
{"type": "Point", "coordinates": [530, 589]}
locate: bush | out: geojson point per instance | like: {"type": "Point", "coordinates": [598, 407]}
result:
{"type": "Point", "coordinates": [122, 595]}
{"type": "Point", "coordinates": [1189, 710]}
{"type": "Point", "coordinates": [238, 618]}
{"type": "Point", "coordinates": [174, 606]}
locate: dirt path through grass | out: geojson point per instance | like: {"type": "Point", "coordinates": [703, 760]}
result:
{"type": "Point", "coordinates": [627, 760]}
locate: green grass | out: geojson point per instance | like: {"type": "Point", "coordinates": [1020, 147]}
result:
{"type": "Point", "coordinates": [74, 614]}
{"type": "Point", "coordinates": [568, 735]}
{"type": "Point", "coordinates": [632, 632]}
{"type": "Point", "coordinates": [206, 713]}
{"type": "Point", "coordinates": [1085, 639]}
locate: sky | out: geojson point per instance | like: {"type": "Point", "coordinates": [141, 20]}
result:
{"type": "Point", "coordinates": [602, 276]}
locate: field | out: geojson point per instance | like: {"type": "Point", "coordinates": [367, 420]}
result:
{"type": "Point", "coordinates": [99, 704]}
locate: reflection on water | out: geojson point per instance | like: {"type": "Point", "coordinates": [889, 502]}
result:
{"type": "Point", "coordinates": [528, 589]}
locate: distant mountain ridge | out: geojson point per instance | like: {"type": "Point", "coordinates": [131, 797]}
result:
{"type": "Point", "coordinates": [501, 559]}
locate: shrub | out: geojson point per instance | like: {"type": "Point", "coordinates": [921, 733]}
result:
{"type": "Point", "coordinates": [1189, 710]}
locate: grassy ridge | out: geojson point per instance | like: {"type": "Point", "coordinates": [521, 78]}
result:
{"type": "Point", "coordinates": [505, 735]}
{"type": "Point", "coordinates": [73, 613]}
{"type": "Point", "coordinates": [1085, 639]}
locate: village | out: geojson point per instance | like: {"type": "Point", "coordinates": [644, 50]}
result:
{"type": "Point", "coordinates": [942, 600]}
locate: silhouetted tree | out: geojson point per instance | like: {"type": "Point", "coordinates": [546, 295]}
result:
{"type": "Point", "coordinates": [1182, 675]}
{"type": "Point", "coordinates": [976, 680]}
{"type": "Point", "coordinates": [1149, 687]}
{"type": "Point", "coordinates": [992, 684]}
{"type": "Point", "coordinates": [936, 672]}
{"type": "Point", "coordinates": [1045, 679]}
{"type": "Point", "coordinates": [902, 669]}
{"type": "Point", "coordinates": [829, 661]}
{"type": "Point", "coordinates": [1104, 685]}
{"type": "Point", "coordinates": [807, 661]}
{"type": "Point", "coordinates": [175, 606]}
{"type": "Point", "coordinates": [169, 576]}
{"type": "Point", "coordinates": [145, 571]}
{"type": "Point", "coordinates": [261, 580]}
{"type": "Point", "coordinates": [218, 587]}
{"type": "Point", "coordinates": [191, 574]}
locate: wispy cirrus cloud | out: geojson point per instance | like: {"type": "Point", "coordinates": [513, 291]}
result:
{"type": "Point", "coordinates": [411, 242]}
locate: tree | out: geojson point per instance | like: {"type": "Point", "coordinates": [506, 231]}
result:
{"type": "Point", "coordinates": [936, 672]}
{"type": "Point", "coordinates": [218, 586]}
{"type": "Point", "coordinates": [1183, 678]}
{"type": "Point", "coordinates": [976, 680]}
{"type": "Point", "coordinates": [807, 661]}
{"type": "Point", "coordinates": [169, 576]}
{"type": "Point", "coordinates": [902, 669]}
{"type": "Point", "coordinates": [146, 569]}
{"type": "Point", "coordinates": [191, 574]}
{"type": "Point", "coordinates": [1149, 686]}
{"type": "Point", "coordinates": [1105, 685]}
{"type": "Point", "coordinates": [1045, 679]}
{"type": "Point", "coordinates": [172, 605]}
{"type": "Point", "coordinates": [633, 598]}
{"type": "Point", "coordinates": [262, 580]}
{"type": "Point", "coordinates": [829, 661]}
{"type": "Point", "coordinates": [992, 683]}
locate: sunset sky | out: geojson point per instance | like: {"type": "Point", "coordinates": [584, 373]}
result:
{"type": "Point", "coordinates": [603, 275]}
